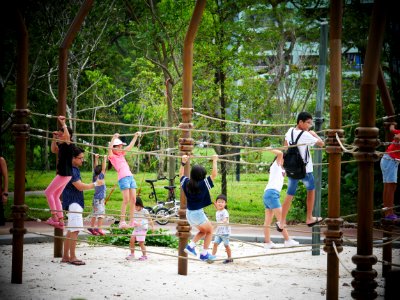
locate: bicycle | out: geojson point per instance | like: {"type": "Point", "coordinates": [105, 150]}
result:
{"type": "Point", "coordinates": [163, 210]}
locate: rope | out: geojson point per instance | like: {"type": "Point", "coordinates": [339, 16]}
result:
{"type": "Point", "coordinates": [338, 257]}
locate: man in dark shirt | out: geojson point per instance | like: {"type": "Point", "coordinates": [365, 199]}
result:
{"type": "Point", "coordinates": [73, 201]}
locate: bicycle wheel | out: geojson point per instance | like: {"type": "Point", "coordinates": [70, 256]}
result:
{"type": "Point", "coordinates": [162, 216]}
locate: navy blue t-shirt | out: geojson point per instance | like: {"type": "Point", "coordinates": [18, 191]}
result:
{"type": "Point", "coordinates": [71, 194]}
{"type": "Point", "coordinates": [200, 200]}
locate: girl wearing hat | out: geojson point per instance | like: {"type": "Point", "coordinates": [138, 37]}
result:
{"type": "Point", "coordinates": [126, 182]}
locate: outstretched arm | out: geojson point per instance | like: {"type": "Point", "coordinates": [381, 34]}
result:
{"type": "Point", "coordinates": [104, 164]}
{"type": "Point", "coordinates": [54, 147]}
{"type": "Point", "coordinates": [66, 135]}
{"type": "Point", "coordinates": [96, 160]}
{"type": "Point", "coordinates": [110, 146]}
{"type": "Point", "coordinates": [132, 143]}
{"type": "Point", "coordinates": [214, 171]}
{"type": "Point", "coordinates": [279, 156]}
{"type": "Point", "coordinates": [185, 159]}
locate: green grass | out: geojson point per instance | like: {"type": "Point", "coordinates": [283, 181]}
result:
{"type": "Point", "coordinates": [245, 203]}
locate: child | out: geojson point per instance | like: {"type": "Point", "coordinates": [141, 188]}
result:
{"type": "Point", "coordinates": [98, 197]}
{"type": "Point", "coordinates": [142, 217]}
{"type": "Point", "coordinates": [223, 232]}
{"type": "Point", "coordinates": [196, 190]}
{"type": "Point", "coordinates": [64, 148]}
{"type": "Point", "coordinates": [389, 165]}
{"type": "Point", "coordinates": [126, 182]}
{"type": "Point", "coordinates": [272, 202]}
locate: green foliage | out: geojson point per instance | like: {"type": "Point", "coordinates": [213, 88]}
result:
{"type": "Point", "coordinates": [161, 238]}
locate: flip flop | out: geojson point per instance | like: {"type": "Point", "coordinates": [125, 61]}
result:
{"type": "Point", "coordinates": [278, 228]}
{"type": "Point", "coordinates": [318, 220]}
{"type": "Point", "coordinates": [77, 263]}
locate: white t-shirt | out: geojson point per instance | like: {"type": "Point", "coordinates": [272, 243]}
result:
{"type": "Point", "coordinates": [142, 218]}
{"type": "Point", "coordinates": [276, 177]}
{"type": "Point", "coordinates": [220, 215]}
{"type": "Point", "coordinates": [306, 138]}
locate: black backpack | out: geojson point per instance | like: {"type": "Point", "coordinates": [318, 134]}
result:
{"type": "Point", "coordinates": [293, 163]}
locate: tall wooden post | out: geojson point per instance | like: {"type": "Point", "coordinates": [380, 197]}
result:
{"type": "Point", "coordinates": [20, 130]}
{"type": "Point", "coordinates": [62, 88]}
{"type": "Point", "coordinates": [186, 142]}
{"type": "Point", "coordinates": [364, 283]}
{"type": "Point", "coordinates": [333, 233]}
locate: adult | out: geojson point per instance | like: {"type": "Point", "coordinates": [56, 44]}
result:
{"type": "Point", "coordinates": [307, 139]}
{"type": "Point", "coordinates": [389, 165]}
{"type": "Point", "coordinates": [73, 201]}
{"type": "Point", "coordinates": [3, 189]}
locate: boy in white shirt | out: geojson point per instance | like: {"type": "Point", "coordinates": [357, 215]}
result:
{"type": "Point", "coordinates": [308, 138]}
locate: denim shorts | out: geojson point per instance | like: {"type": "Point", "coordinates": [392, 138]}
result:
{"type": "Point", "coordinates": [99, 208]}
{"type": "Point", "coordinates": [272, 199]}
{"type": "Point", "coordinates": [389, 168]}
{"type": "Point", "coordinates": [222, 238]}
{"type": "Point", "coordinates": [196, 217]}
{"type": "Point", "coordinates": [127, 183]}
{"type": "Point", "coordinates": [308, 181]}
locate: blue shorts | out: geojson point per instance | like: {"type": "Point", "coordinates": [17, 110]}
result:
{"type": "Point", "coordinates": [127, 183]}
{"type": "Point", "coordinates": [389, 167]}
{"type": "Point", "coordinates": [308, 181]}
{"type": "Point", "coordinates": [272, 199]}
{"type": "Point", "coordinates": [222, 238]}
{"type": "Point", "coordinates": [196, 217]}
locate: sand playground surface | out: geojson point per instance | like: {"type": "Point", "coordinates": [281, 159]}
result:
{"type": "Point", "coordinates": [108, 275]}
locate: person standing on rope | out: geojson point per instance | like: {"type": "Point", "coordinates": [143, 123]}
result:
{"type": "Point", "coordinates": [126, 182]}
{"type": "Point", "coordinates": [389, 165]}
{"type": "Point", "coordinates": [3, 189]}
{"type": "Point", "coordinates": [142, 217]}
{"type": "Point", "coordinates": [53, 192]}
{"type": "Point", "coordinates": [197, 193]}
{"type": "Point", "coordinates": [223, 231]}
{"type": "Point", "coordinates": [308, 137]}
{"type": "Point", "coordinates": [73, 202]}
{"type": "Point", "coordinates": [272, 202]}
{"type": "Point", "coordinates": [99, 196]}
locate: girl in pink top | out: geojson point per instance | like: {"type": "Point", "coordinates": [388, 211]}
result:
{"type": "Point", "coordinates": [126, 182]}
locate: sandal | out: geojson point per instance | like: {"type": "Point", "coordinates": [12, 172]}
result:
{"type": "Point", "coordinates": [143, 257]}
{"type": "Point", "coordinates": [52, 222]}
{"type": "Point", "coordinates": [77, 263]}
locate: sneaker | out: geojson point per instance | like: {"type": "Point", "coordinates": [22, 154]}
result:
{"type": "Point", "coordinates": [391, 217]}
{"type": "Point", "coordinates": [122, 225]}
{"type": "Point", "coordinates": [190, 250]}
{"type": "Point", "coordinates": [143, 257]}
{"type": "Point", "coordinates": [100, 232]}
{"type": "Point", "coordinates": [130, 257]}
{"type": "Point", "coordinates": [51, 222]}
{"type": "Point", "coordinates": [92, 231]}
{"type": "Point", "coordinates": [208, 257]}
{"type": "Point", "coordinates": [269, 245]}
{"type": "Point", "coordinates": [227, 261]}
{"type": "Point", "coordinates": [291, 243]}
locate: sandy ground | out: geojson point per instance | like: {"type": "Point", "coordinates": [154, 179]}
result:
{"type": "Point", "coordinates": [107, 275]}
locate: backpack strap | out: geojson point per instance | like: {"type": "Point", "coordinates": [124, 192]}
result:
{"type": "Point", "coordinates": [295, 143]}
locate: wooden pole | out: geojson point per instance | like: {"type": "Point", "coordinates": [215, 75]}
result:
{"type": "Point", "coordinates": [62, 88]}
{"type": "Point", "coordinates": [333, 233]}
{"type": "Point", "coordinates": [364, 282]}
{"type": "Point", "coordinates": [186, 142]}
{"type": "Point", "coordinates": [21, 131]}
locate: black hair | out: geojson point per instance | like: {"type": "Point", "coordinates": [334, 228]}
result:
{"type": "Point", "coordinates": [76, 151]}
{"type": "Point", "coordinates": [139, 202]}
{"type": "Point", "coordinates": [222, 197]}
{"type": "Point", "coordinates": [197, 174]}
{"type": "Point", "coordinates": [303, 116]}
{"type": "Point", "coordinates": [97, 170]}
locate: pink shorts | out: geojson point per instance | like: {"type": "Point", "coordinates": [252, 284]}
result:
{"type": "Point", "coordinates": [140, 235]}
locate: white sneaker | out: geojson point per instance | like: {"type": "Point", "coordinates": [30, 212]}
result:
{"type": "Point", "coordinates": [291, 243]}
{"type": "Point", "coordinates": [269, 245]}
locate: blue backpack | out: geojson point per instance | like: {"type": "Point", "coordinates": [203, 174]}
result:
{"type": "Point", "coordinates": [293, 163]}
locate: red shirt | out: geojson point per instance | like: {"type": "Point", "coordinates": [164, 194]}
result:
{"type": "Point", "coordinates": [394, 147]}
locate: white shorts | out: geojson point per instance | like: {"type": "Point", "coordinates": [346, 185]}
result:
{"type": "Point", "coordinates": [75, 219]}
